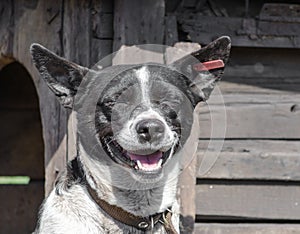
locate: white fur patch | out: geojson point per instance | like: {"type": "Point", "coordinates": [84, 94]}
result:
{"type": "Point", "coordinates": [143, 76]}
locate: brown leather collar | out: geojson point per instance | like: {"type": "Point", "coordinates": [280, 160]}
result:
{"type": "Point", "coordinates": [141, 223]}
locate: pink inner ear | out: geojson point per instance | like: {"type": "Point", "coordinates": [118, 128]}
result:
{"type": "Point", "coordinates": [209, 65]}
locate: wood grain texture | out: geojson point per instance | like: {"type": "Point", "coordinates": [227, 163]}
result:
{"type": "Point", "coordinates": [76, 48]}
{"type": "Point", "coordinates": [209, 228]}
{"type": "Point", "coordinates": [254, 160]}
{"type": "Point", "coordinates": [243, 32]}
{"type": "Point", "coordinates": [171, 32]}
{"type": "Point", "coordinates": [6, 32]}
{"type": "Point", "coordinates": [265, 201]}
{"type": "Point", "coordinates": [76, 31]}
{"type": "Point", "coordinates": [100, 48]}
{"type": "Point", "coordinates": [102, 19]}
{"type": "Point", "coordinates": [47, 16]}
{"type": "Point", "coordinates": [102, 30]}
{"type": "Point", "coordinates": [138, 22]}
{"type": "Point", "coordinates": [252, 116]}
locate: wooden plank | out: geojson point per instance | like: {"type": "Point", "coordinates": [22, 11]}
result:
{"type": "Point", "coordinates": [171, 31]}
{"type": "Point", "coordinates": [19, 207]}
{"type": "Point", "coordinates": [76, 48]}
{"type": "Point", "coordinates": [251, 116]}
{"type": "Point", "coordinates": [262, 201]}
{"type": "Point", "coordinates": [261, 70]}
{"type": "Point", "coordinates": [241, 85]}
{"type": "Point", "coordinates": [212, 228]}
{"type": "Point", "coordinates": [47, 29]}
{"type": "Point", "coordinates": [100, 49]}
{"type": "Point", "coordinates": [253, 159]}
{"type": "Point", "coordinates": [203, 29]}
{"type": "Point", "coordinates": [173, 5]}
{"type": "Point", "coordinates": [138, 22]}
{"type": "Point", "coordinates": [102, 19]}
{"type": "Point", "coordinates": [76, 37]}
{"type": "Point", "coordinates": [102, 30]}
{"type": "Point", "coordinates": [187, 194]}
{"type": "Point", "coordinates": [6, 34]}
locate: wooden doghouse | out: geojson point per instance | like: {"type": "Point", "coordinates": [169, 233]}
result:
{"type": "Point", "coordinates": [253, 186]}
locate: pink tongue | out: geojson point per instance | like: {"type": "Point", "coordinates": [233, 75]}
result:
{"type": "Point", "coordinates": [148, 161]}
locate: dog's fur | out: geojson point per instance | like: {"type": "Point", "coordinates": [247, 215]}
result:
{"type": "Point", "coordinates": [140, 98]}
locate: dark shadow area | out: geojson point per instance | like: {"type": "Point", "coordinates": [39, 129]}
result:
{"type": "Point", "coordinates": [186, 224]}
{"type": "Point", "coordinates": [21, 151]}
{"type": "Point", "coordinates": [268, 68]}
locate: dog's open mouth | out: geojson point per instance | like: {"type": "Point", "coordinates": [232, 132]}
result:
{"type": "Point", "coordinates": [148, 163]}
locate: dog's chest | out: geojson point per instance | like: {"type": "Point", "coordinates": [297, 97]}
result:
{"type": "Point", "coordinates": [74, 212]}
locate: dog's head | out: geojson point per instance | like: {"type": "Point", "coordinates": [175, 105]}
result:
{"type": "Point", "coordinates": [140, 116]}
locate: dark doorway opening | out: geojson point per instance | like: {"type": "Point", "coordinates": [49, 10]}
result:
{"type": "Point", "coordinates": [21, 151]}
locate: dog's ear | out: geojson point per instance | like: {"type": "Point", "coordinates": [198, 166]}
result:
{"type": "Point", "coordinates": [62, 77]}
{"type": "Point", "coordinates": [205, 67]}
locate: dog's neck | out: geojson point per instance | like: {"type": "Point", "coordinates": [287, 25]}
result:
{"type": "Point", "coordinates": [139, 201]}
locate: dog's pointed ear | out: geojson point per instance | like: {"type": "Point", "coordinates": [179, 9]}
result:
{"type": "Point", "coordinates": [205, 67]}
{"type": "Point", "coordinates": [62, 77]}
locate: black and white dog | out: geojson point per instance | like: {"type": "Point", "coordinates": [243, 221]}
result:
{"type": "Point", "coordinates": [132, 126]}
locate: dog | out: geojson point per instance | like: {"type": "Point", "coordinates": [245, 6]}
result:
{"type": "Point", "coordinates": [132, 127]}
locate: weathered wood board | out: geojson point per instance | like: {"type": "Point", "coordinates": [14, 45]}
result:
{"type": "Point", "coordinates": [249, 200]}
{"type": "Point", "coordinates": [253, 116]}
{"type": "Point", "coordinates": [171, 32]}
{"type": "Point", "coordinates": [210, 228]}
{"type": "Point", "coordinates": [140, 26]}
{"type": "Point", "coordinates": [254, 160]}
{"type": "Point", "coordinates": [47, 31]}
{"type": "Point", "coordinates": [244, 32]}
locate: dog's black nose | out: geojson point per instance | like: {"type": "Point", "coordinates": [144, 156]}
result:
{"type": "Point", "coordinates": [150, 130]}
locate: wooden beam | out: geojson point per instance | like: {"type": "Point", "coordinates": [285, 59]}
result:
{"type": "Point", "coordinates": [171, 31]}
{"type": "Point", "coordinates": [6, 32]}
{"type": "Point", "coordinates": [262, 201]}
{"type": "Point", "coordinates": [252, 116]}
{"type": "Point", "coordinates": [254, 160]}
{"type": "Point", "coordinates": [77, 31]}
{"type": "Point", "coordinates": [76, 48]}
{"type": "Point", "coordinates": [138, 22]}
{"type": "Point", "coordinates": [243, 32]}
{"type": "Point", "coordinates": [47, 18]}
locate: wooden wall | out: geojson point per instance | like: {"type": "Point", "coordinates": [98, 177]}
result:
{"type": "Point", "coordinates": [78, 30]}
{"type": "Point", "coordinates": [253, 186]}
{"type": "Point", "coordinates": [255, 180]}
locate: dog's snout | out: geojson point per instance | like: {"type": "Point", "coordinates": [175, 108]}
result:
{"type": "Point", "coordinates": [150, 130]}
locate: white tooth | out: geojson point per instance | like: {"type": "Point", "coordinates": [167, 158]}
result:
{"type": "Point", "coordinates": [140, 166]}
{"type": "Point", "coordinates": [159, 163]}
